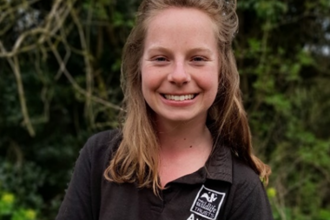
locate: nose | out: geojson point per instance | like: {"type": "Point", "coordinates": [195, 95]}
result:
{"type": "Point", "coordinates": [179, 74]}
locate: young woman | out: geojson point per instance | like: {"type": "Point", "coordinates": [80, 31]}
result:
{"type": "Point", "coordinates": [184, 150]}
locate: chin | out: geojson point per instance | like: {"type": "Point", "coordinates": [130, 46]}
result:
{"type": "Point", "coordinates": [181, 118]}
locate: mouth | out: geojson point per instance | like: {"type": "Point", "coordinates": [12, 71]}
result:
{"type": "Point", "coordinates": [179, 97]}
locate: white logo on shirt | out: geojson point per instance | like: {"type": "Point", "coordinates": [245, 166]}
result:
{"type": "Point", "coordinates": [207, 204]}
{"type": "Point", "coordinates": [209, 198]}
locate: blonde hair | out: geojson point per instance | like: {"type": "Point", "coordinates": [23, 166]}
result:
{"type": "Point", "coordinates": [136, 159]}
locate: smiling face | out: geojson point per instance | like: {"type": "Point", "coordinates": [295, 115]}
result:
{"type": "Point", "coordinates": [180, 65]}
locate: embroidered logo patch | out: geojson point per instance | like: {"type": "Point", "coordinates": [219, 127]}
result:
{"type": "Point", "coordinates": [207, 203]}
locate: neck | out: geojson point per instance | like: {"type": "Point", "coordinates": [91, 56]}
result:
{"type": "Point", "coordinates": [183, 135]}
{"type": "Point", "coordinates": [184, 148]}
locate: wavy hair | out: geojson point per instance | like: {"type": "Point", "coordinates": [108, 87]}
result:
{"type": "Point", "coordinates": [136, 159]}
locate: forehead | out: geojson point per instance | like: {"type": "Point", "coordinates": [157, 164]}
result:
{"type": "Point", "coordinates": [180, 22]}
{"type": "Point", "coordinates": [175, 13]}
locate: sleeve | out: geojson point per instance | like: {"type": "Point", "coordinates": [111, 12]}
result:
{"type": "Point", "coordinates": [250, 203]}
{"type": "Point", "coordinates": [77, 201]}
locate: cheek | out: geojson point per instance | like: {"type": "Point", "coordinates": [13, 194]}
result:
{"type": "Point", "coordinates": [151, 78]}
{"type": "Point", "coordinates": [210, 81]}
{"type": "Point", "coordinates": [149, 82]}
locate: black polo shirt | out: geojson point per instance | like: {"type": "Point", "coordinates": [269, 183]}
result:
{"type": "Point", "coordinates": [224, 188]}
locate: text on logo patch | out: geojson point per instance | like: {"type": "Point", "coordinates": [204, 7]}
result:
{"type": "Point", "coordinates": [207, 203]}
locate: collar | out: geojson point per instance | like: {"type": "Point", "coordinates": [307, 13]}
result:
{"type": "Point", "coordinates": [219, 165]}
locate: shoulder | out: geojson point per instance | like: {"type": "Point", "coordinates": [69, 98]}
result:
{"type": "Point", "coordinates": [247, 197]}
{"type": "Point", "coordinates": [102, 144]}
{"type": "Point", "coordinates": [104, 138]}
{"type": "Point", "coordinates": [85, 186]}
{"type": "Point", "coordinates": [245, 180]}
{"type": "Point", "coordinates": [244, 175]}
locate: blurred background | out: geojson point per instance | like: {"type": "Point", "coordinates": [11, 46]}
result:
{"type": "Point", "coordinates": [60, 83]}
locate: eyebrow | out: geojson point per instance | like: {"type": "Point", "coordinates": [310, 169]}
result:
{"type": "Point", "coordinates": [165, 50]}
{"type": "Point", "coordinates": [157, 48]}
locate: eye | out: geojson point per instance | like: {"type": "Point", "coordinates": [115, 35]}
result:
{"type": "Point", "coordinates": [160, 59]}
{"type": "Point", "coordinates": [198, 59]}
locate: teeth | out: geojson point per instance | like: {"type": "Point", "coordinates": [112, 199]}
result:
{"type": "Point", "coordinates": [179, 97]}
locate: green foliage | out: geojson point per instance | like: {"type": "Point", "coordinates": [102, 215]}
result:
{"type": "Point", "coordinates": [6, 203]}
{"type": "Point", "coordinates": [324, 214]}
{"type": "Point", "coordinates": [9, 208]}
{"type": "Point", "coordinates": [284, 87]}
{"type": "Point", "coordinates": [23, 180]}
